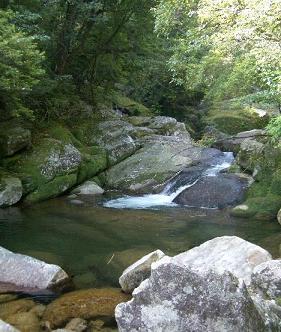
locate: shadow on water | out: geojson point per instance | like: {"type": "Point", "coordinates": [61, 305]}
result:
{"type": "Point", "coordinates": [95, 244]}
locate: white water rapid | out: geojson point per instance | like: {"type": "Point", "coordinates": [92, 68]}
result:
{"type": "Point", "coordinates": [170, 192]}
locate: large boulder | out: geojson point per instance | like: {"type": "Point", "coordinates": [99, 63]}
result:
{"type": "Point", "coordinates": [25, 271]}
{"type": "Point", "coordinates": [13, 139]}
{"type": "Point", "coordinates": [113, 135]}
{"type": "Point", "coordinates": [160, 159]}
{"type": "Point", "coordinates": [250, 154]}
{"type": "Point", "coordinates": [203, 289]}
{"type": "Point", "coordinates": [177, 298]}
{"type": "Point", "coordinates": [139, 271]}
{"type": "Point", "coordinates": [215, 191]}
{"type": "Point", "coordinates": [233, 143]}
{"type": "Point", "coordinates": [48, 170]}
{"type": "Point", "coordinates": [226, 253]}
{"type": "Point", "coordinates": [86, 304]}
{"type": "Point", "coordinates": [266, 278]}
{"type": "Point", "coordinates": [10, 190]}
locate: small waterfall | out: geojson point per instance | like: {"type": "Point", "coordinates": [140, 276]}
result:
{"type": "Point", "coordinates": [172, 189]}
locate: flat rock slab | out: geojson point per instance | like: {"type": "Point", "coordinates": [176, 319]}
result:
{"type": "Point", "coordinates": [26, 271]}
{"type": "Point", "coordinates": [215, 191]}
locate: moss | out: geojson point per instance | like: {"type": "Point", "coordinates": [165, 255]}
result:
{"type": "Point", "coordinates": [63, 134]}
{"type": "Point", "coordinates": [232, 118]}
{"type": "Point", "coordinates": [275, 187]}
{"type": "Point", "coordinates": [52, 189]}
{"type": "Point", "coordinates": [262, 208]}
{"type": "Point", "coordinates": [133, 107]}
{"type": "Point", "coordinates": [94, 161]}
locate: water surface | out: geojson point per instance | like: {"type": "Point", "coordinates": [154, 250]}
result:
{"type": "Point", "coordinates": [94, 243]}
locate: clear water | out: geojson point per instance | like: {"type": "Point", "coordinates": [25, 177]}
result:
{"type": "Point", "coordinates": [170, 192]}
{"type": "Point", "coordinates": [94, 244]}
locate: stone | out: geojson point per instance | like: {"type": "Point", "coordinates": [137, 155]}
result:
{"type": "Point", "coordinates": [266, 278]}
{"type": "Point", "coordinates": [178, 298]}
{"type": "Point", "coordinates": [25, 322]}
{"type": "Point", "coordinates": [233, 143]}
{"type": "Point", "coordinates": [139, 271]}
{"type": "Point", "coordinates": [13, 139]}
{"type": "Point", "coordinates": [215, 191]}
{"type": "Point", "coordinates": [226, 253]}
{"type": "Point", "coordinates": [4, 327]}
{"type": "Point", "coordinates": [48, 170]}
{"type": "Point", "coordinates": [86, 304]}
{"type": "Point", "coordinates": [159, 160]}
{"type": "Point", "coordinates": [77, 325]}
{"type": "Point", "coordinates": [14, 307]}
{"type": "Point", "coordinates": [10, 190]}
{"type": "Point", "coordinates": [163, 124]}
{"type": "Point", "coordinates": [279, 216]}
{"type": "Point", "coordinates": [27, 271]}
{"type": "Point", "coordinates": [88, 188]}
{"type": "Point", "coordinates": [250, 154]}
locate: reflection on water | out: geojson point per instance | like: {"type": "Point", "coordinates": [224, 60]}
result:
{"type": "Point", "coordinates": [94, 244]}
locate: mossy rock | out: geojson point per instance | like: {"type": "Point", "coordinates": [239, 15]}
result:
{"type": "Point", "coordinates": [52, 189]}
{"type": "Point", "coordinates": [48, 159]}
{"type": "Point", "coordinates": [261, 208]}
{"type": "Point", "coordinates": [94, 161]}
{"type": "Point", "coordinates": [233, 120]}
{"type": "Point", "coordinates": [129, 105]}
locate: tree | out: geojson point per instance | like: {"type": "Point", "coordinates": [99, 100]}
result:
{"type": "Point", "coordinates": [20, 64]}
{"type": "Point", "coordinates": [230, 48]}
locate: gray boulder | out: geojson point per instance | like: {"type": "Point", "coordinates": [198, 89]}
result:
{"type": "Point", "coordinates": [215, 191]}
{"type": "Point", "coordinates": [279, 216]}
{"type": "Point", "coordinates": [179, 299]}
{"type": "Point", "coordinates": [13, 139]}
{"type": "Point", "coordinates": [233, 143]}
{"type": "Point", "coordinates": [250, 154]}
{"type": "Point", "coordinates": [266, 278]}
{"type": "Point", "coordinates": [26, 271]}
{"type": "Point", "coordinates": [139, 271]}
{"type": "Point", "coordinates": [10, 190]}
{"type": "Point", "coordinates": [160, 159]}
{"type": "Point", "coordinates": [88, 188]}
{"type": "Point", "coordinates": [203, 289]}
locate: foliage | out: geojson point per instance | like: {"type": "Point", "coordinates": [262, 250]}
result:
{"type": "Point", "coordinates": [20, 64]}
{"type": "Point", "coordinates": [229, 48]}
{"type": "Point", "coordinates": [274, 129]}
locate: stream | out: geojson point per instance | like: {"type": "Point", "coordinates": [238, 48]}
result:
{"type": "Point", "coordinates": [94, 241]}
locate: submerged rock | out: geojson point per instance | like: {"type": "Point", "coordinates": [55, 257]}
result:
{"type": "Point", "coordinates": [10, 190]}
{"type": "Point", "coordinates": [85, 304]}
{"type": "Point", "coordinates": [139, 271]}
{"type": "Point", "coordinates": [26, 271]}
{"type": "Point", "coordinates": [279, 216]}
{"type": "Point", "coordinates": [215, 191]}
{"type": "Point", "coordinates": [88, 188]}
